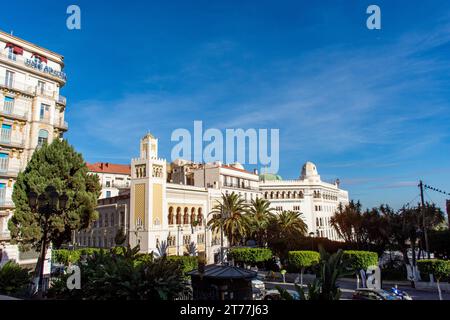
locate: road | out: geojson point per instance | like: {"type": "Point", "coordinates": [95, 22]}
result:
{"type": "Point", "coordinates": [348, 287]}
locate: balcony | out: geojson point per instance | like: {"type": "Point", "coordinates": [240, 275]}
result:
{"type": "Point", "coordinates": [6, 203]}
{"type": "Point", "coordinates": [61, 124]}
{"type": "Point", "coordinates": [7, 140]}
{"type": "Point", "coordinates": [5, 170]}
{"type": "Point", "coordinates": [8, 110]}
{"type": "Point", "coordinates": [17, 86]}
{"type": "Point", "coordinates": [237, 186]}
{"type": "Point", "coordinates": [62, 100]}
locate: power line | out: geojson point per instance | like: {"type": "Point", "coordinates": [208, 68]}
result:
{"type": "Point", "coordinates": [436, 189]}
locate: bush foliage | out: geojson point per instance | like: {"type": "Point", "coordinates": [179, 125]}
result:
{"type": "Point", "coordinates": [250, 256]}
{"type": "Point", "coordinates": [188, 263]}
{"type": "Point", "coordinates": [440, 269]}
{"type": "Point", "coordinates": [302, 259]}
{"type": "Point", "coordinates": [360, 260]}
{"type": "Point", "coordinates": [125, 275]}
{"type": "Point", "coordinates": [14, 279]}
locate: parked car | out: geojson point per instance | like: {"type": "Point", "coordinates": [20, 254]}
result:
{"type": "Point", "coordinates": [258, 288]}
{"type": "Point", "coordinates": [373, 294]}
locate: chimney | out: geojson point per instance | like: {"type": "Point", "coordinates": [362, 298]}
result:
{"type": "Point", "coordinates": [255, 171]}
{"type": "Point", "coordinates": [338, 183]}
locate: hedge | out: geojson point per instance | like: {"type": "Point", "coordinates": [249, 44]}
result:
{"type": "Point", "coordinates": [250, 255]}
{"type": "Point", "coordinates": [66, 257]}
{"type": "Point", "coordinates": [440, 269]}
{"type": "Point", "coordinates": [303, 259]}
{"type": "Point", "coordinates": [360, 260]}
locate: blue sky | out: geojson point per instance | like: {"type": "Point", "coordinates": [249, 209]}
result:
{"type": "Point", "coordinates": [369, 107]}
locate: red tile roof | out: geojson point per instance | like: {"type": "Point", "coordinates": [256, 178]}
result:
{"type": "Point", "coordinates": [105, 167]}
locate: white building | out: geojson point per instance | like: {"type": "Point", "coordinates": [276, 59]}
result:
{"type": "Point", "coordinates": [171, 202]}
{"type": "Point", "coordinates": [315, 199]}
{"type": "Point", "coordinates": [31, 113]}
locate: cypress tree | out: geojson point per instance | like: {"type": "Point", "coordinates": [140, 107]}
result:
{"type": "Point", "coordinates": [60, 166]}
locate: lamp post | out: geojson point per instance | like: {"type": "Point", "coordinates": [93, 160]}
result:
{"type": "Point", "coordinates": [311, 234]}
{"type": "Point", "coordinates": [48, 203]}
{"type": "Point", "coordinates": [178, 240]}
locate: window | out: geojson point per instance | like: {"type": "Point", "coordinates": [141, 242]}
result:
{"type": "Point", "coordinates": [2, 192]}
{"type": "Point", "coordinates": [44, 111]}
{"type": "Point", "coordinates": [8, 105]}
{"type": "Point", "coordinates": [108, 184]}
{"type": "Point", "coordinates": [108, 194]}
{"type": "Point", "coordinates": [9, 79]}
{"type": "Point", "coordinates": [6, 133]}
{"type": "Point", "coordinates": [171, 241]}
{"type": "Point", "coordinates": [11, 54]}
{"type": "Point", "coordinates": [41, 85]}
{"type": "Point", "coordinates": [42, 138]}
{"type": "Point", "coordinates": [4, 160]}
{"type": "Point", "coordinates": [201, 238]}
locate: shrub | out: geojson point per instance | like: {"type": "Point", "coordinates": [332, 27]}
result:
{"type": "Point", "coordinates": [440, 269]}
{"type": "Point", "coordinates": [250, 256]}
{"type": "Point", "coordinates": [67, 257]}
{"type": "Point", "coordinates": [14, 279]}
{"type": "Point", "coordinates": [298, 260]}
{"type": "Point", "coordinates": [360, 260]}
{"type": "Point", "coordinates": [111, 276]}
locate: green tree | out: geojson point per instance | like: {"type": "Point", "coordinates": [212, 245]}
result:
{"type": "Point", "coordinates": [347, 221]}
{"type": "Point", "coordinates": [120, 237]}
{"type": "Point", "coordinates": [229, 214]}
{"type": "Point", "coordinates": [440, 269]}
{"type": "Point", "coordinates": [284, 230]}
{"type": "Point", "coordinates": [260, 215]}
{"type": "Point", "coordinates": [60, 166]}
{"type": "Point", "coordinates": [302, 260]}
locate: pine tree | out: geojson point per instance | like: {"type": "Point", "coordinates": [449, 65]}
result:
{"type": "Point", "coordinates": [60, 166]}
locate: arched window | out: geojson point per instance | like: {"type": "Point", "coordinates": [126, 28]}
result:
{"type": "Point", "coordinates": [186, 216]}
{"type": "Point", "coordinates": [266, 195]}
{"type": "Point", "coordinates": [192, 215]}
{"type": "Point", "coordinates": [271, 195]}
{"type": "Point", "coordinates": [170, 218]}
{"type": "Point", "coordinates": [178, 215]}
{"type": "Point", "coordinates": [42, 137]}
{"type": "Point", "coordinates": [200, 216]}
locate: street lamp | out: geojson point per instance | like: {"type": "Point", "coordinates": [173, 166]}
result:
{"type": "Point", "coordinates": [311, 234]}
{"type": "Point", "coordinates": [48, 203]}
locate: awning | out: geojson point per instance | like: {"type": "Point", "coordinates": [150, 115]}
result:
{"type": "Point", "coordinates": [43, 59]}
{"type": "Point", "coordinates": [16, 49]}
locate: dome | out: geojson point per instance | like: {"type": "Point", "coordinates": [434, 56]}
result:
{"type": "Point", "coordinates": [309, 170]}
{"type": "Point", "coordinates": [269, 177]}
{"type": "Point", "coordinates": [237, 165]}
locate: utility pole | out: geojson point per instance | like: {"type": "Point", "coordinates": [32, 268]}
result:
{"type": "Point", "coordinates": [425, 232]}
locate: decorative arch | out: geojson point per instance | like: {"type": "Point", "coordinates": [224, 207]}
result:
{"type": "Point", "coordinates": [192, 215]}
{"type": "Point", "coordinates": [178, 215]}
{"type": "Point", "coordinates": [186, 216]}
{"type": "Point", "coordinates": [170, 216]}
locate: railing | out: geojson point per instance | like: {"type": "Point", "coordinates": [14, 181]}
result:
{"type": "Point", "coordinates": [237, 186]}
{"type": "Point", "coordinates": [5, 136]}
{"type": "Point", "coordinates": [62, 100]}
{"type": "Point", "coordinates": [17, 85]}
{"type": "Point", "coordinates": [62, 124]}
{"type": "Point", "coordinates": [8, 109]}
{"type": "Point", "coordinates": [4, 164]}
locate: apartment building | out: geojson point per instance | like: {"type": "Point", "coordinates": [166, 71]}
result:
{"type": "Point", "coordinates": [31, 114]}
{"type": "Point", "coordinates": [113, 177]}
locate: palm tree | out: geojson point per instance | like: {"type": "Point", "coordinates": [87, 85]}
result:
{"type": "Point", "coordinates": [229, 214]}
{"type": "Point", "coordinates": [290, 223]}
{"type": "Point", "coordinates": [259, 216]}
